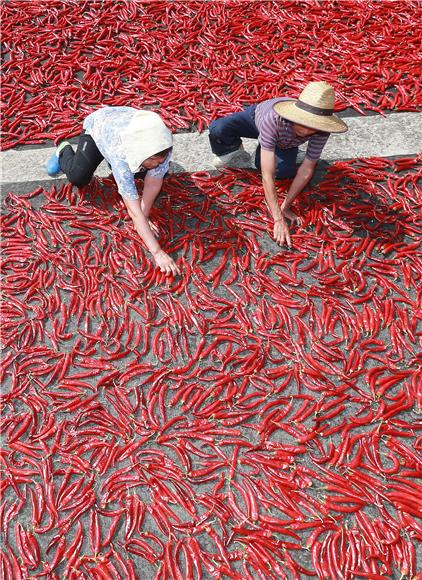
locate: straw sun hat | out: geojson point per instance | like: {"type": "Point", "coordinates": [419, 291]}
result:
{"type": "Point", "coordinates": [314, 109]}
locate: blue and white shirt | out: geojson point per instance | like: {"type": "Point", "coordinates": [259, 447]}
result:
{"type": "Point", "coordinates": [105, 126]}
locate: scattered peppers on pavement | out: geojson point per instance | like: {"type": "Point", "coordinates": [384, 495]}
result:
{"type": "Point", "coordinates": [256, 417]}
{"type": "Point", "coordinates": [195, 61]}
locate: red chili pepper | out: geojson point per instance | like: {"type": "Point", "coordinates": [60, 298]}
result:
{"type": "Point", "coordinates": [233, 359]}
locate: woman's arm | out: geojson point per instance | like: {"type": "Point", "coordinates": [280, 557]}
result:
{"type": "Point", "coordinates": [127, 189]}
{"type": "Point", "coordinates": [152, 187]}
{"type": "Point", "coordinates": [141, 223]}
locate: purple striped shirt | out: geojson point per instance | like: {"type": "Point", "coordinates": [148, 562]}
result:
{"type": "Point", "coordinates": [274, 131]}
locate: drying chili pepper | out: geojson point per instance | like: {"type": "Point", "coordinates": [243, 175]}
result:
{"type": "Point", "coordinates": [88, 66]}
{"type": "Point", "coordinates": [103, 439]}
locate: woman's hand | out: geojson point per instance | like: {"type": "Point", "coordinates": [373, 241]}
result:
{"type": "Point", "coordinates": [281, 232]}
{"type": "Point", "coordinates": [154, 228]}
{"type": "Point", "coordinates": [165, 263]}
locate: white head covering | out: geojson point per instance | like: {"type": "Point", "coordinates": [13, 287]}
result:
{"type": "Point", "coordinates": [145, 136]}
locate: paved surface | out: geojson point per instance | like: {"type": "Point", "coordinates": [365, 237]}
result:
{"type": "Point", "coordinates": [395, 134]}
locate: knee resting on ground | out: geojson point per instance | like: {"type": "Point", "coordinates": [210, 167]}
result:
{"type": "Point", "coordinates": [79, 180]}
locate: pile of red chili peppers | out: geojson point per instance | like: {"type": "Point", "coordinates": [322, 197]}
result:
{"type": "Point", "coordinates": [195, 61]}
{"type": "Point", "coordinates": [256, 417]}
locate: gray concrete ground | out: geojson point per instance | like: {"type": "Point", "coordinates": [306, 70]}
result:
{"type": "Point", "coordinates": [395, 135]}
{"type": "Point", "coordinates": [372, 136]}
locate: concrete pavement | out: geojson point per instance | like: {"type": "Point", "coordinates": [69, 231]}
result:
{"type": "Point", "coordinates": [396, 134]}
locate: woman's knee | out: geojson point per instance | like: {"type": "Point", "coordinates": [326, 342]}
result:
{"type": "Point", "coordinates": [78, 179]}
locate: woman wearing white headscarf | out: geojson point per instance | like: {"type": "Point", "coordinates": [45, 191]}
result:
{"type": "Point", "coordinates": [131, 140]}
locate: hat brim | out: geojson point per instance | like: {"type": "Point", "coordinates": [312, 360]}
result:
{"type": "Point", "coordinates": [289, 111]}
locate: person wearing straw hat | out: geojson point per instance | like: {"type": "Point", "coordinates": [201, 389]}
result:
{"type": "Point", "coordinates": [280, 125]}
{"type": "Point", "coordinates": [133, 141]}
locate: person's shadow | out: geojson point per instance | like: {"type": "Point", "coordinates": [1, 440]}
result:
{"type": "Point", "coordinates": [186, 207]}
{"type": "Point", "coordinates": [183, 212]}
{"type": "Point", "coordinates": [354, 198]}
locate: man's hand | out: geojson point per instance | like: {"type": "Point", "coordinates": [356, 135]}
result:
{"type": "Point", "coordinates": [291, 216]}
{"type": "Point", "coordinates": [165, 263]}
{"type": "Point", "coordinates": [281, 232]}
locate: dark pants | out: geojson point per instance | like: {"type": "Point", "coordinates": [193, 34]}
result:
{"type": "Point", "coordinates": [225, 135]}
{"type": "Point", "coordinates": [79, 165]}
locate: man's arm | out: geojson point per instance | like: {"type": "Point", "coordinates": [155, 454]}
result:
{"type": "Point", "coordinates": [281, 231]}
{"type": "Point", "coordinates": [303, 176]}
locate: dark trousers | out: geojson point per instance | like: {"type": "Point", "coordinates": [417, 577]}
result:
{"type": "Point", "coordinates": [79, 165]}
{"type": "Point", "coordinates": [225, 135]}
